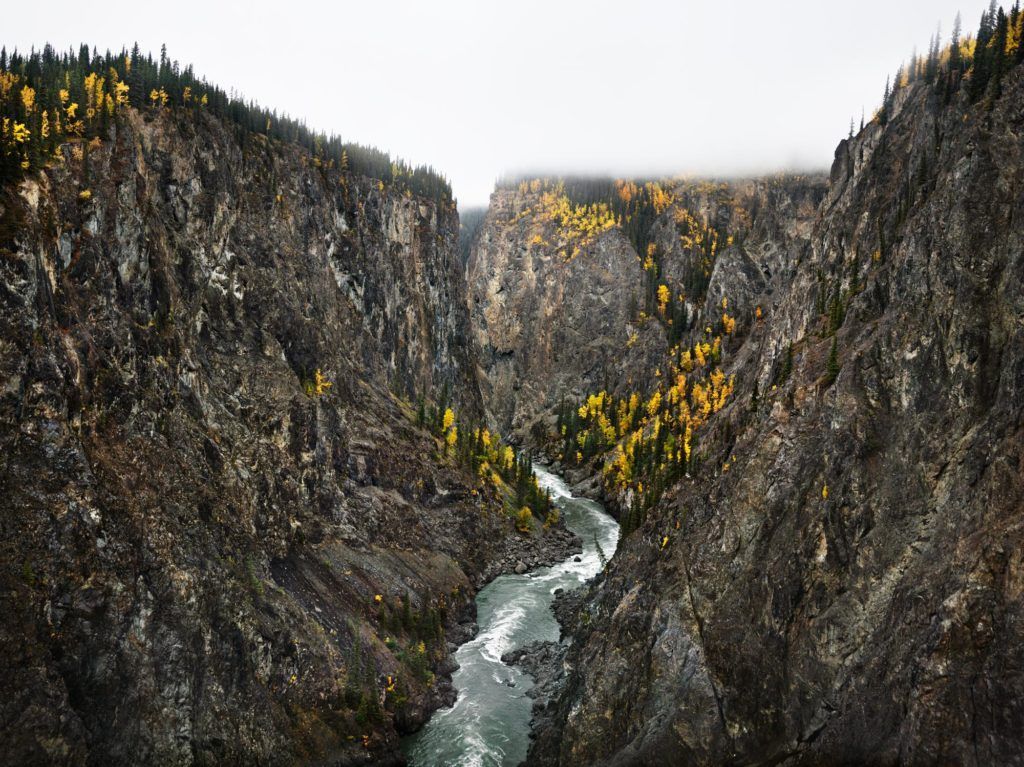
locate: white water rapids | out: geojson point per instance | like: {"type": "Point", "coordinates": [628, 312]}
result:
{"type": "Point", "coordinates": [489, 724]}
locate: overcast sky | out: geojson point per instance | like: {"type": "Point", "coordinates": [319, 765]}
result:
{"type": "Point", "coordinates": [477, 88]}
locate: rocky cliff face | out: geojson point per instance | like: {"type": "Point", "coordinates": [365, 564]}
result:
{"type": "Point", "coordinates": [223, 537]}
{"type": "Point", "coordinates": [766, 224]}
{"type": "Point", "coordinates": [552, 328]}
{"type": "Point", "coordinates": [548, 326]}
{"type": "Point", "coordinates": [842, 579]}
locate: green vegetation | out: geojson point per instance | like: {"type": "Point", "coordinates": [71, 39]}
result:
{"type": "Point", "coordinates": [978, 63]}
{"type": "Point", "coordinates": [255, 583]}
{"type": "Point", "coordinates": [399, 616]}
{"type": "Point", "coordinates": [647, 444]}
{"type": "Point", "coordinates": [360, 682]}
{"type": "Point", "coordinates": [787, 366]}
{"type": "Point", "coordinates": [487, 456]}
{"type": "Point", "coordinates": [832, 366]}
{"type": "Point", "coordinates": [48, 99]}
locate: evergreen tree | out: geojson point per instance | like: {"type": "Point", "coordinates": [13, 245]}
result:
{"type": "Point", "coordinates": [982, 67]}
{"type": "Point", "coordinates": [787, 364]}
{"type": "Point", "coordinates": [931, 60]}
{"type": "Point", "coordinates": [1018, 24]}
{"type": "Point", "coordinates": [832, 368]}
{"type": "Point", "coordinates": [836, 312]}
{"type": "Point", "coordinates": [883, 113]}
{"type": "Point", "coordinates": [955, 60]}
{"type": "Point", "coordinates": [998, 60]}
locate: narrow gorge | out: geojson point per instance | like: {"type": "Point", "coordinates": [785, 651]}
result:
{"type": "Point", "coordinates": [821, 560]}
{"type": "Point", "coordinates": [642, 471]}
{"type": "Point", "coordinates": [231, 536]}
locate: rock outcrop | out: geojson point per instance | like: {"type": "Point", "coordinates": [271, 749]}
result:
{"type": "Point", "coordinates": [851, 589]}
{"type": "Point", "coordinates": [223, 536]}
{"type": "Point", "coordinates": [552, 329]}
{"type": "Point", "coordinates": [548, 327]}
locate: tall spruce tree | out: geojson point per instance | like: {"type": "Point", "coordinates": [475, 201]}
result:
{"type": "Point", "coordinates": [998, 60]}
{"type": "Point", "coordinates": [982, 68]}
{"type": "Point", "coordinates": [832, 366]}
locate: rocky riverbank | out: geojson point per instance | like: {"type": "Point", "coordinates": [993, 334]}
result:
{"type": "Point", "coordinates": [518, 555]}
{"type": "Point", "coordinates": [522, 553]}
{"type": "Point", "coordinates": [545, 661]}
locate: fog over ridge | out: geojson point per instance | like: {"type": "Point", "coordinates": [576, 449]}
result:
{"type": "Point", "coordinates": [700, 87]}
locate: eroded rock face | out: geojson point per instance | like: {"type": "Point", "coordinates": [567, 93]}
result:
{"type": "Point", "coordinates": [553, 329]}
{"type": "Point", "coordinates": [192, 540]}
{"type": "Point", "coordinates": [851, 590]}
{"type": "Point", "coordinates": [547, 326]}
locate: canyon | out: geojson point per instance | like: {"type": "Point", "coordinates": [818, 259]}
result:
{"type": "Point", "coordinates": [217, 495]}
{"type": "Point", "coordinates": [235, 532]}
{"type": "Point", "coordinates": [839, 579]}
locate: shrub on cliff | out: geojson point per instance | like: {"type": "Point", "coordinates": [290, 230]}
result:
{"type": "Point", "coordinates": [524, 520]}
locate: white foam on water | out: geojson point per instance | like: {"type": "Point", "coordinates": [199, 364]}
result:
{"type": "Point", "coordinates": [548, 481]}
{"type": "Point", "coordinates": [489, 724]}
{"type": "Point", "coordinates": [496, 640]}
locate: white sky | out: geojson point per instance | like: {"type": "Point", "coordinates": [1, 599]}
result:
{"type": "Point", "coordinates": [477, 88]}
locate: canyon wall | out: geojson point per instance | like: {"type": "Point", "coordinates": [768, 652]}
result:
{"type": "Point", "coordinates": [554, 322]}
{"type": "Point", "coordinates": [839, 578]}
{"type": "Point", "coordinates": [223, 534]}
{"type": "Point", "coordinates": [548, 327]}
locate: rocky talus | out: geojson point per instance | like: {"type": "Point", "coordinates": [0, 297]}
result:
{"type": "Point", "coordinates": [222, 533]}
{"type": "Point", "coordinates": [841, 581]}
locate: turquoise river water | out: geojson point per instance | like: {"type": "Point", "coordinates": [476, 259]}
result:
{"type": "Point", "coordinates": [489, 724]}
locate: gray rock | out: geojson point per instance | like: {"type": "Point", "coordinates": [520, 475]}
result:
{"type": "Point", "coordinates": [547, 326]}
{"type": "Point", "coordinates": [880, 622]}
{"type": "Point", "coordinates": [192, 543]}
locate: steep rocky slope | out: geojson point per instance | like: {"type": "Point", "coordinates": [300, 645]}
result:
{"type": "Point", "coordinates": [840, 579]}
{"type": "Point", "coordinates": [547, 327]}
{"type": "Point", "coordinates": [553, 326]}
{"type": "Point", "coordinates": [767, 224]}
{"type": "Point", "coordinates": [224, 540]}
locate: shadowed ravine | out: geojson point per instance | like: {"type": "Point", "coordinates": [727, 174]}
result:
{"type": "Point", "coordinates": [489, 723]}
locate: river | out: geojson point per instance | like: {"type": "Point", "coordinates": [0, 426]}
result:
{"type": "Point", "coordinates": [489, 725]}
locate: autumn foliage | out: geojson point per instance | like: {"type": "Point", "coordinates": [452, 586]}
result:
{"type": "Point", "coordinates": [50, 99]}
{"type": "Point", "coordinates": [645, 444]}
{"type": "Point", "coordinates": [488, 457]}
